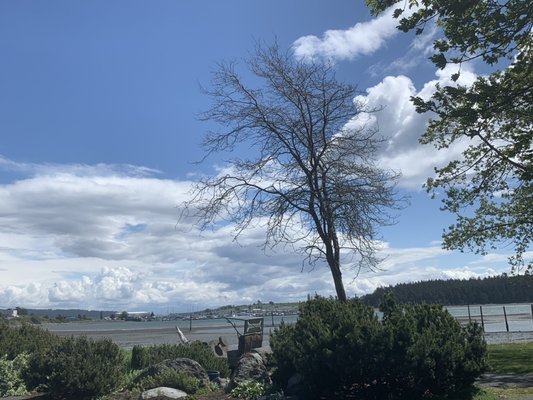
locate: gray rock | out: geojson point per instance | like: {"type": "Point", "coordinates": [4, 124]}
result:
{"type": "Point", "coordinates": [163, 392]}
{"type": "Point", "coordinates": [185, 366]}
{"type": "Point", "coordinates": [221, 382]}
{"type": "Point", "coordinates": [250, 367]}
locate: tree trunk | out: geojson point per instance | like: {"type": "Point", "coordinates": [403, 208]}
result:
{"type": "Point", "coordinates": [337, 279]}
{"type": "Point", "coordinates": [334, 263]}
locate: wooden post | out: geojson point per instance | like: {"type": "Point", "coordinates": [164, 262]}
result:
{"type": "Point", "coordinates": [505, 316]}
{"type": "Point", "coordinates": [469, 316]}
{"type": "Point", "coordinates": [190, 322]}
{"type": "Point", "coordinates": [482, 321]}
{"type": "Point", "coordinates": [272, 315]}
{"type": "Point", "coordinates": [531, 312]}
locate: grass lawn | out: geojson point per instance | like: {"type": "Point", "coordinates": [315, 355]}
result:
{"type": "Point", "coordinates": [507, 358]}
{"type": "Point", "coordinates": [511, 358]}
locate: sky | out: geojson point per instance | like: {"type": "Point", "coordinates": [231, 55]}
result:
{"type": "Point", "coordinates": [100, 138]}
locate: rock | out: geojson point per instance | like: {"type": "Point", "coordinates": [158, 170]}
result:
{"type": "Point", "coordinates": [219, 347]}
{"type": "Point", "coordinates": [250, 367]}
{"type": "Point", "coordinates": [182, 365]}
{"type": "Point", "coordinates": [163, 392]}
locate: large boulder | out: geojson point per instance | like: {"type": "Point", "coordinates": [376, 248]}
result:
{"type": "Point", "coordinates": [250, 367]}
{"type": "Point", "coordinates": [184, 366]}
{"type": "Point", "coordinates": [163, 393]}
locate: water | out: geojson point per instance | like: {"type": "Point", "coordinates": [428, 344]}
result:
{"type": "Point", "coordinates": [519, 317]}
{"type": "Point", "coordinates": [198, 325]}
{"type": "Point", "coordinates": [128, 333]}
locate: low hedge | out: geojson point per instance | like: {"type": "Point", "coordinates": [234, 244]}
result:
{"type": "Point", "coordinates": [77, 368]}
{"type": "Point", "coordinates": [24, 338]}
{"type": "Point", "coordinates": [72, 367]}
{"type": "Point", "coordinates": [144, 356]}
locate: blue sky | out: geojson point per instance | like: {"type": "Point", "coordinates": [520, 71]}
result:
{"type": "Point", "coordinates": [99, 134]}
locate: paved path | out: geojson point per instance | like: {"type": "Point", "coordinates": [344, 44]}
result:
{"type": "Point", "coordinates": [506, 380]}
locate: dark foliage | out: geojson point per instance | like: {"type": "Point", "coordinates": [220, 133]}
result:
{"type": "Point", "coordinates": [25, 338]}
{"type": "Point", "coordinates": [489, 187]}
{"type": "Point", "coordinates": [329, 345]}
{"type": "Point", "coordinates": [494, 290]}
{"type": "Point", "coordinates": [71, 368]}
{"type": "Point", "coordinates": [428, 352]}
{"type": "Point", "coordinates": [342, 348]}
{"type": "Point", "coordinates": [77, 368]}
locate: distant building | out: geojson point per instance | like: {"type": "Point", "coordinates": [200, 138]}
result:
{"type": "Point", "coordinates": [133, 316]}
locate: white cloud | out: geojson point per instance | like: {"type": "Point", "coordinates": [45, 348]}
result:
{"type": "Point", "coordinates": [106, 237]}
{"type": "Point", "coordinates": [404, 265]}
{"type": "Point", "coordinates": [398, 121]}
{"type": "Point", "coordinates": [363, 38]}
{"type": "Point", "coordinates": [105, 240]}
{"type": "Point", "coordinates": [403, 127]}
{"type": "Point", "coordinates": [417, 55]}
{"type": "Point", "coordinates": [76, 169]}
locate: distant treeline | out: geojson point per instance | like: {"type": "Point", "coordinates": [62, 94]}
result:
{"type": "Point", "coordinates": [493, 290]}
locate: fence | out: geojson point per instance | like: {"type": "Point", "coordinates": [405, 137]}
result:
{"type": "Point", "coordinates": [496, 318]}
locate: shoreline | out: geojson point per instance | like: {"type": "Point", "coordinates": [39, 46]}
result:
{"type": "Point", "coordinates": [127, 338]}
{"type": "Point", "coordinates": [147, 336]}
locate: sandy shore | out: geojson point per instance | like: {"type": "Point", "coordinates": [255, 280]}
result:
{"type": "Point", "coordinates": [147, 336]}
{"type": "Point", "coordinates": [127, 338]}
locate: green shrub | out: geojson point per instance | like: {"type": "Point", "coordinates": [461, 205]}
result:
{"type": "Point", "coordinates": [429, 352]}
{"type": "Point", "coordinates": [143, 357]}
{"type": "Point", "coordinates": [139, 357]}
{"type": "Point", "coordinates": [330, 345]}
{"type": "Point", "coordinates": [413, 352]}
{"type": "Point", "coordinates": [249, 390]}
{"type": "Point", "coordinates": [78, 368]}
{"type": "Point", "coordinates": [171, 378]}
{"type": "Point", "coordinates": [11, 375]}
{"type": "Point", "coordinates": [284, 352]}
{"type": "Point", "coordinates": [24, 338]}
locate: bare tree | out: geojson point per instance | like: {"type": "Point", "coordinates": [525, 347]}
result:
{"type": "Point", "coordinates": [310, 173]}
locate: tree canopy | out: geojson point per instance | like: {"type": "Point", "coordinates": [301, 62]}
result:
{"type": "Point", "coordinates": [308, 172]}
{"type": "Point", "coordinates": [491, 290]}
{"type": "Point", "coordinates": [490, 188]}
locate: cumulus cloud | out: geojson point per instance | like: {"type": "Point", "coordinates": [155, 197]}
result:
{"type": "Point", "coordinates": [103, 239]}
{"type": "Point", "coordinates": [363, 38]}
{"type": "Point", "coordinates": [398, 121]}
{"type": "Point", "coordinates": [107, 237]}
{"type": "Point", "coordinates": [403, 127]}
